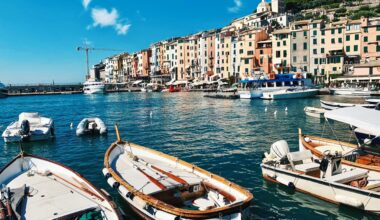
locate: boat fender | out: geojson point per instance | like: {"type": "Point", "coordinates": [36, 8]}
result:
{"type": "Point", "coordinates": [139, 202]}
{"type": "Point", "coordinates": [113, 183]}
{"type": "Point", "coordinates": [345, 200]}
{"type": "Point", "coordinates": [161, 215]}
{"type": "Point", "coordinates": [323, 165]}
{"type": "Point", "coordinates": [285, 182]}
{"type": "Point", "coordinates": [106, 173]}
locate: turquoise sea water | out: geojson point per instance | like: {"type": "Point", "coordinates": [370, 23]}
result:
{"type": "Point", "coordinates": [226, 137]}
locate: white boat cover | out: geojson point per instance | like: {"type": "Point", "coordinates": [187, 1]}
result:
{"type": "Point", "coordinates": [137, 82]}
{"type": "Point", "coordinates": [364, 118]}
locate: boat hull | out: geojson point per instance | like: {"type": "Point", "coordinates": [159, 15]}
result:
{"type": "Point", "coordinates": [289, 95]}
{"type": "Point", "coordinates": [329, 191]}
{"type": "Point", "coordinates": [351, 92]}
{"type": "Point", "coordinates": [94, 90]}
{"type": "Point", "coordinates": [335, 105]}
{"type": "Point", "coordinates": [150, 207]}
{"type": "Point", "coordinates": [252, 94]}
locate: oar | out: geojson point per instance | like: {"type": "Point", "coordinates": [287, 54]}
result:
{"type": "Point", "coordinates": [79, 187]}
{"type": "Point", "coordinates": [174, 177]}
{"type": "Point", "coordinates": [152, 179]}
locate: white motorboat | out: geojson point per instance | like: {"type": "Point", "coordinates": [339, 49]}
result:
{"type": "Point", "coordinates": [327, 179]}
{"type": "Point", "coordinates": [353, 92]}
{"type": "Point", "coordinates": [314, 112]}
{"type": "Point", "coordinates": [93, 87]}
{"type": "Point", "coordinates": [3, 91]}
{"type": "Point", "coordinates": [373, 101]}
{"type": "Point", "coordinates": [91, 126]}
{"type": "Point", "coordinates": [159, 186]}
{"type": "Point", "coordinates": [290, 94]}
{"type": "Point", "coordinates": [37, 188]}
{"type": "Point", "coordinates": [335, 105]}
{"type": "Point", "coordinates": [29, 127]}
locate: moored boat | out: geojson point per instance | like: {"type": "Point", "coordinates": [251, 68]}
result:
{"type": "Point", "coordinates": [3, 91]}
{"type": "Point", "coordinates": [314, 112]}
{"type": "Point", "coordinates": [29, 127]}
{"type": "Point", "coordinates": [93, 87]}
{"type": "Point", "coordinates": [326, 179]}
{"type": "Point", "coordinates": [91, 126]}
{"type": "Point", "coordinates": [353, 92]}
{"type": "Point", "coordinates": [290, 94]}
{"type": "Point", "coordinates": [37, 188]}
{"type": "Point", "coordinates": [159, 186]}
{"type": "Point", "coordinates": [335, 105]}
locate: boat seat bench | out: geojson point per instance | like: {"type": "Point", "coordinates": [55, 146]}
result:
{"type": "Point", "coordinates": [348, 176]}
{"type": "Point", "coordinates": [302, 161]}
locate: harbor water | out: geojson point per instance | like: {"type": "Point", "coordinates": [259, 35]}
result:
{"type": "Point", "coordinates": [226, 137]}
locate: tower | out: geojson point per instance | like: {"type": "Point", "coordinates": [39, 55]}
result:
{"type": "Point", "coordinates": [278, 6]}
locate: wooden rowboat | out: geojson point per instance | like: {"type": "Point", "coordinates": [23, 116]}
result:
{"type": "Point", "coordinates": [37, 188]}
{"type": "Point", "coordinates": [366, 158]}
{"type": "Point", "coordinates": [159, 186]}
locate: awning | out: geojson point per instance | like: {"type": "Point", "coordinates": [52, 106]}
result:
{"type": "Point", "coordinates": [137, 82]}
{"type": "Point", "coordinates": [359, 117]}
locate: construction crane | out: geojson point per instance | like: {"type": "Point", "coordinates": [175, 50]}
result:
{"type": "Point", "coordinates": [86, 48]}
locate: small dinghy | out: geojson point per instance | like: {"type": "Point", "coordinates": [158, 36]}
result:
{"type": "Point", "coordinates": [328, 179]}
{"type": "Point", "coordinates": [335, 105]}
{"type": "Point", "coordinates": [29, 127]}
{"type": "Point", "coordinates": [159, 186]}
{"type": "Point", "coordinates": [314, 112]}
{"type": "Point", "coordinates": [37, 188]}
{"type": "Point", "coordinates": [91, 126]}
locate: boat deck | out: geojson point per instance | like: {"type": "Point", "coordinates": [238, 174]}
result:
{"type": "Point", "coordinates": [137, 173]}
{"type": "Point", "coordinates": [49, 197]}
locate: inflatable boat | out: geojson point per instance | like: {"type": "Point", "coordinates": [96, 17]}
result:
{"type": "Point", "coordinates": [91, 126]}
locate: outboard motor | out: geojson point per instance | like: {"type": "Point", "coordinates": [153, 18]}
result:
{"type": "Point", "coordinates": [25, 127]}
{"type": "Point", "coordinates": [278, 152]}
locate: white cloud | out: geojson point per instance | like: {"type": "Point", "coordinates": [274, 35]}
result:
{"type": "Point", "coordinates": [104, 18]}
{"type": "Point", "coordinates": [236, 7]}
{"type": "Point", "coordinates": [85, 3]}
{"type": "Point", "coordinates": [122, 29]}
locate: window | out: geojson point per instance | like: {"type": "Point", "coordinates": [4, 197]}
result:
{"type": "Point", "coordinates": [347, 48]}
{"type": "Point", "coordinates": [246, 61]}
{"type": "Point", "coordinates": [250, 36]}
{"type": "Point", "coordinates": [278, 54]}
{"type": "Point", "coordinates": [314, 33]}
{"type": "Point", "coordinates": [323, 40]}
{"type": "Point", "coordinates": [356, 36]}
{"type": "Point", "coordinates": [285, 53]}
{"type": "Point", "coordinates": [316, 61]}
{"type": "Point", "coordinates": [322, 50]}
{"type": "Point", "coordinates": [315, 51]}
{"type": "Point", "coordinates": [339, 30]}
{"type": "Point", "coordinates": [284, 43]}
{"type": "Point", "coordinates": [323, 32]}
{"type": "Point", "coordinates": [241, 51]}
{"type": "Point", "coordinates": [294, 46]}
{"type": "Point", "coordinates": [305, 33]}
{"type": "Point", "coordinates": [305, 46]}
{"type": "Point", "coordinates": [332, 31]}
{"type": "Point", "coordinates": [365, 30]}
{"type": "Point", "coordinates": [261, 52]}
{"type": "Point", "coordinates": [250, 44]}
{"type": "Point", "coordinates": [333, 40]}
{"type": "Point", "coordinates": [378, 28]}
{"type": "Point", "coordinates": [278, 44]}
{"type": "Point", "coordinates": [315, 41]}
{"type": "Point", "coordinates": [348, 38]}
{"type": "Point", "coordinates": [334, 69]}
{"type": "Point", "coordinates": [365, 39]}
{"type": "Point", "coordinates": [378, 38]}
{"type": "Point", "coordinates": [378, 48]}
{"type": "Point", "coordinates": [304, 58]}
{"type": "Point", "coordinates": [261, 60]}
{"type": "Point", "coordinates": [340, 40]}
{"type": "Point", "coordinates": [294, 59]}
{"type": "Point", "coordinates": [365, 49]}
{"type": "Point", "coordinates": [250, 52]}
{"type": "Point", "coordinates": [356, 48]}
{"type": "Point", "coordinates": [246, 70]}
{"type": "Point", "coordinates": [294, 34]}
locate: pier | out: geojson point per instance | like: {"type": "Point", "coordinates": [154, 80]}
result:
{"type": "Point", "coordinates": [44, 89]}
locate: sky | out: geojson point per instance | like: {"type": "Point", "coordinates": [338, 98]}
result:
{"type": "Point", "coordinates": [38, 39]}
